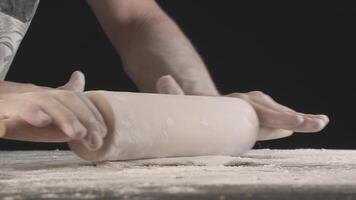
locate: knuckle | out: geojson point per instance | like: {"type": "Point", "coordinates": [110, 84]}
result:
{"type": "Point", "coordinates": [69, 95]}
{"type": "Point", "coordinates": [268, 97]}
{"type": "Point", "coordinates": [78, 133]}
{"type": "Point", "coordinates": [54, 95]}
{"type": "Point", "coordinates": [30, 107]}
{"type": "Point", "coordinates": [236, 94]}
{"type": "Point", "coordinates": [90, 121]}
{"type": "Point", "coordinates": [30, 85]}
{"type": "Point", "coordinates": [30, 112]}
{"type": "Point", "coordinates": [38, 96]}
{"type": "Point", "coordinates": [75, 134]}
{"type": "Point", "coordinates": [260, 94]}
{"type": "Point", "coordinates": [57, 92]}
{"type": "Point", "coordinates": [47, 99]}
{"type": "Point", "coordinates": [69, 117]}
{"type": "Point", "coordinates": [257, 93]}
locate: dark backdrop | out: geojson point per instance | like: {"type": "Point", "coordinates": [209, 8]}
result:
{"type": "Point", "coordinates": [301, 53]}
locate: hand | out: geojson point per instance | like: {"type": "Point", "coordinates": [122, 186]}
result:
{"type": "Point", "coordinates": [276, 120]}
{"type": "Point", "coordinates": [65, 107]}
{"type": "Point", "coordinates": [76, 83]}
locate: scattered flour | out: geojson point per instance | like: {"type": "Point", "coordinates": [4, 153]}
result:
{"type": "Point", "coordinates": [52, 174]}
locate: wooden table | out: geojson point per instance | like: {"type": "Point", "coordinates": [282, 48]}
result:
{"type": "Point", "coordinates": [259, 174]}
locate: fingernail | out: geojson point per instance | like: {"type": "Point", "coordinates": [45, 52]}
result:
{"type": "Point", "coordinates": [319, 125]}
{"type": "Point", "coordinates": [95, 142]}
{"type": "Point", "coordinates": [324, 117]}
{"type": "Point", "coordinates": [87, 142]}
{"type": "Point", "coordinates": [99, 130]}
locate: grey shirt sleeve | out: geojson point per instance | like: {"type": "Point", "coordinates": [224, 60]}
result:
{"type": "Point", "coordinates": [15, 18]}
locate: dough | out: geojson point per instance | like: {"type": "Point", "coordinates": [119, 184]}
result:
{"type": "Point", "coordinates": [142, 125]}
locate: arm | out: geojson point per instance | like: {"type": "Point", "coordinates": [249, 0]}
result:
{"type": "Point", "coordinates": [151, 45]}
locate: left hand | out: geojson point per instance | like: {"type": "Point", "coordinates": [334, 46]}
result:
{"type": "Point", "coordinates": [71, 100]}
{"type": "Point", "coordinates": [76, 83]}
{"type": "Point", "coordinates": [276, 120]}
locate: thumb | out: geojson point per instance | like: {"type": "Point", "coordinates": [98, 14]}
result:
{"type": "Point", "coordinates": [168, 85]}
{"type": "Point", "coordinates": [76, 82]}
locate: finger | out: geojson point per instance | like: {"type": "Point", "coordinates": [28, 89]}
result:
{"type": "Point", "coordinates": [274, 119]}
{"type": "Point", "coordinates": [312, 124]}
{"type": "Point", "coordinates": [92, 142]}
{"type": "Point", "coordinates": [64, 119]}
{"type": "Point", "coordinates": [76, 82]}
{"type": "Point", "coordinates": [96, 129]}
{"type": "Point", "coordinates": [96, 113]}
{"type": "Point", "coordinates": [268, 101]}
{"type": "Point", "coordinates": [325, 118]}
{"type": "Point", "coordinates": [168, 85]}
{"type": "Point", "coordinates": [267, 133]}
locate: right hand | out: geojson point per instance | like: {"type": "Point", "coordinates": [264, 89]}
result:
{"type": "Point", "coordinates": [65, 107]}
{"type": "Point", "coordinates": [276, 121]}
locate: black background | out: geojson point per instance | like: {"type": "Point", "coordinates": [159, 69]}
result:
{"type": "Point", "coordinates": [301, 53]}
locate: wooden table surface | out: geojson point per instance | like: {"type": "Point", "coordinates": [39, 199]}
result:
{"type": "Point", "coordinates": [259, 174]}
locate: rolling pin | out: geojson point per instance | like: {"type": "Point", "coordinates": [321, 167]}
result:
{"type": "Point", "coordinates": [142, 125]}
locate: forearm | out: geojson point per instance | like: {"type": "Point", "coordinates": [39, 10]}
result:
{"type": "Point", "coordinates": [151, 45]}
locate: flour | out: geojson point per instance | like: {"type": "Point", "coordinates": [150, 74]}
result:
{"type": "Point", "coordinates": [60, 174]}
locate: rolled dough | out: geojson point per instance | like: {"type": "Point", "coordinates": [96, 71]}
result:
{"type": "Point", "coordinates": [142, 125]}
